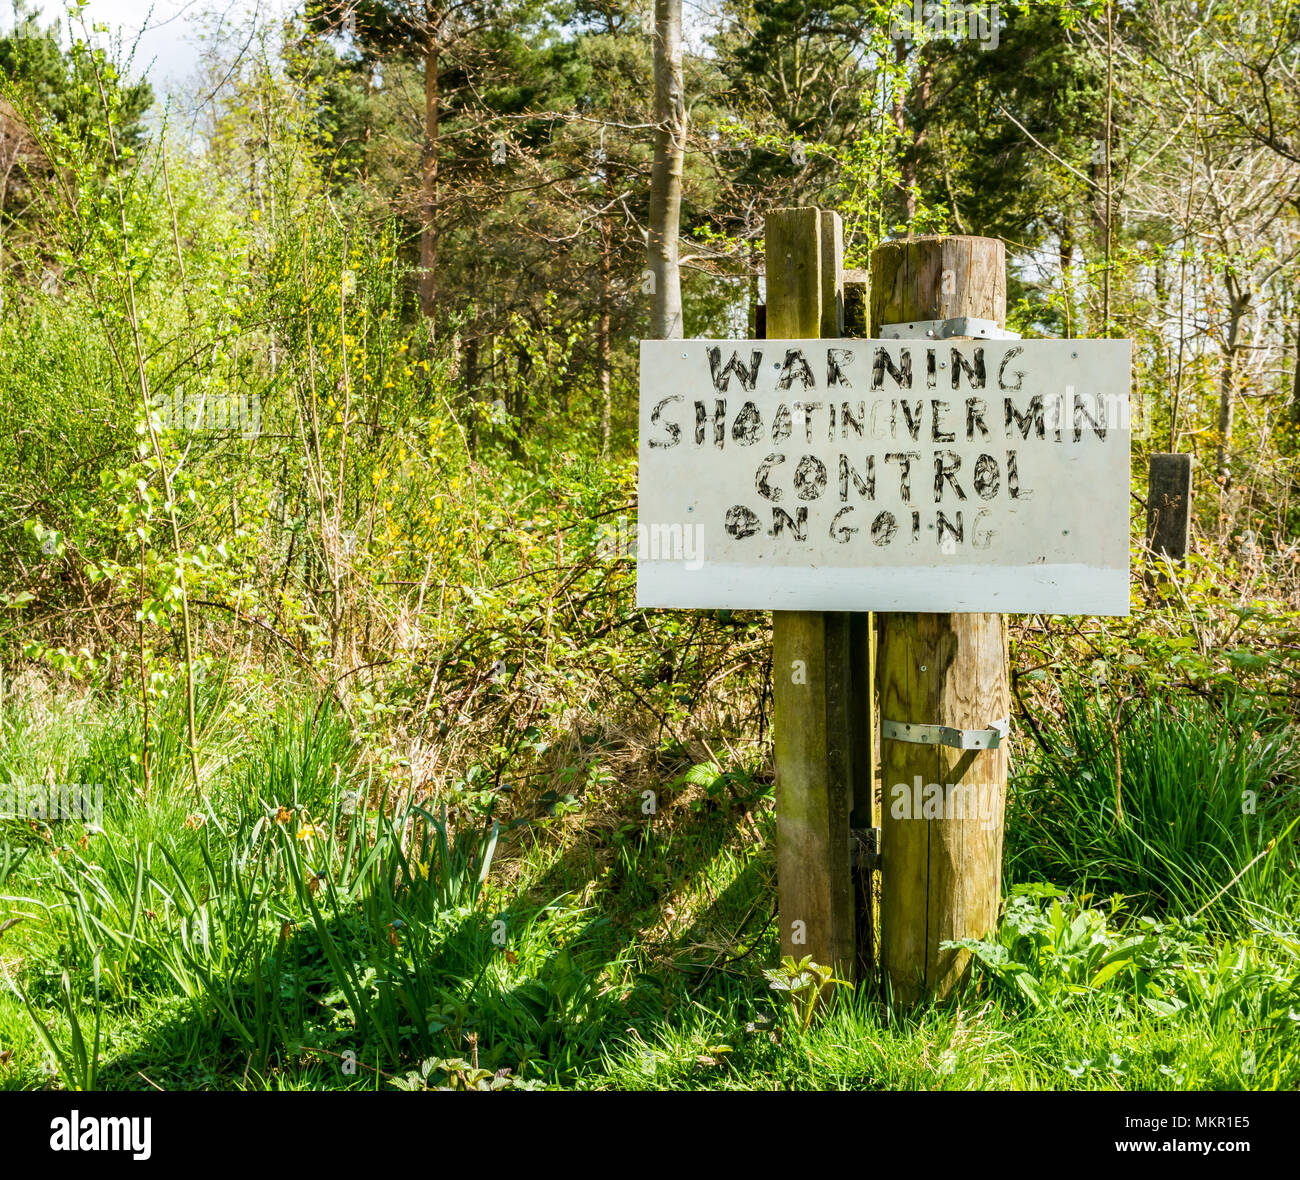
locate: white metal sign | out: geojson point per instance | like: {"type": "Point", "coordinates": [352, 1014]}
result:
{"type": "Point", "coordinates": [891, 475]}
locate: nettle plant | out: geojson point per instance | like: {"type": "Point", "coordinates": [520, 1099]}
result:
{"type": "Point", "coordinates": [803, 984]}
{"type": "Point", "coordinates": [1053, 948]}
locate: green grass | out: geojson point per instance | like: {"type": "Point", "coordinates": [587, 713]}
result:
{"type": "Point", "coordinates": [301, 929]}
{"type": "Point", "coordinates": [1181, 805]}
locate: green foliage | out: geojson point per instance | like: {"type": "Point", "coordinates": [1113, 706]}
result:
{"type": "Point", "coordinates": [10, 860]}
{"type": "Point", "coordinates": [1179, 804]}
{"type": "Point", "coordinates": [455, 1073]}
{"type": "Point", "coordinates": [1051, 948]}
{"type": "Point", "coordinates": [1056, 954]}
{"type": "Point", "coordinates": [258, 943]}
{"type": "Point", "coordinates": [278, 927]}
{"type": "Point", "coordinates": [1217, 623]}
{"type": "Point", "coordinates": [62, 81]}
{"type": "Point", "coordinates": [77, 1063]}
{"type": "Point", "coordinates": [803, 984]}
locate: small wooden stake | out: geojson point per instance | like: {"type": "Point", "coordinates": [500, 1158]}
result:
{"type": "Point", "coordinates": [1169, 505]}
{"type": "Point", "coordinates": [811, 651]}
{"type": "Point", "coordinates": [941, 877]}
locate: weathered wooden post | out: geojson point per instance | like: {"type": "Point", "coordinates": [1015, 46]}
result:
{"type": "Point", "coordinates": [941, 876]}
{"type": "Point", "coordinates": [811, 651]}
{"type": "Point", "coordinates": [1169, 505]}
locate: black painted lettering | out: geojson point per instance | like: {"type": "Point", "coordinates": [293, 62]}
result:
{"type": "Point", "coordinates": [742, 522]}
{"type": "Point", "coordinates": [988, 477]}
{"type": "Point", "coordinates": [1013, 479]}
{"type": "Point", "coordinates": [911, 419]}
{"type": "Point", "coordinates": [748, 377]}
{"type": "Point", "coordinates": [748, 425]}
{"type": "Point", "coordinates": [946, 528]}
{"type": "Point", "coordinates": [803, 411]}
{"type": "Point", "coordinates": [810, 478]}
{"type": "Point", "coordinates": [904, 460]}
{"type": "Point", "coordinates": [946, 466]}
{"type": "Point", "coordinates": [937, 410]}
{"type": "Point", "coordinates": [883, 529]}
{"type": "Point", "coordinates": [1032, 418]}
{"type": "Point", "coordinates": [866, 488]}
{"type": "Point", "coordinates": [974, 369]}
{"type": "Point", "coordinates": [760, 478]}
{"type": "Point", "coordinates": [656, 419]}
{"type": "Point", "coordinates": [901, 373]}
{"type": "Point", "coordinates": [796, 369]}
{"type": "Point", "coordinates": [837, 360]}
{"type": "Point", "coordinates": [842, 532]}
{"type": "Point", "coordinates": [798, 524]}
{"type": "Point", "coordinates": [1081, 415]}
{"type": "Point", "coordinates": [1011, 355]}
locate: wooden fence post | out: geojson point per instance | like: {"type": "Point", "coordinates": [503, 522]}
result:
{"type": "Point", "coordinates": [811, 651]}
{"type": "Point", "coordinates": [941, 877]}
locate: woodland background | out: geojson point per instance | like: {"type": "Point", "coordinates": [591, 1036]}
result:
{"type": "Point", "coordinates": [375, 715]}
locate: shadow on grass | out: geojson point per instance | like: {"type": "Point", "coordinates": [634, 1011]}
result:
{"type": "Point", "coordinates": [543, 987]}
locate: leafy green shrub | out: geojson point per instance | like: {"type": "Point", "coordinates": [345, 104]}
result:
{"type": "Point", "coordinates": [803, 984]}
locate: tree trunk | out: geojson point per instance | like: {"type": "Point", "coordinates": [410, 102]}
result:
{"type": "Point", "coordinates": [1065, 246]}
{"type": "Point", "coordinates": [366, 128]}
{"type": "Point", "coordinates": [911, 153]}
{"type": "Point", "coordinates": [924, 85]}
{"type": "Point", "coordinates": [907, 174]}
{"type": "Point", "coordinates": [1240, 301]}
{"type": "Point", "coordinates": [472, 378]}
{"type": "Point", "coordinates": [1295, 385]}
{"type": "Point", "coordinates": [602, 331]}
{"type": "Point", "coordinates": [666, 176]}
{"type": "Point", "coordinates": [429, 179]}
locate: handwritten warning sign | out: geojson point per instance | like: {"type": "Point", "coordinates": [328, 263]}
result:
{"type": "Point", "coordinates": [952, 475]}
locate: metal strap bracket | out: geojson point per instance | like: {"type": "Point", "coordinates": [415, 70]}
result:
{"type": "Point", "coordinates": [962, 325]}
{"type": "Point", "coordinates": [946, 735]}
